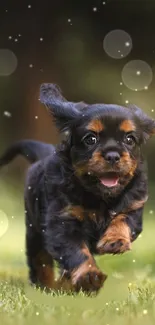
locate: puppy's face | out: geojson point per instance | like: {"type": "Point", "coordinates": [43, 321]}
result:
{"type": "Point", "coordinates": [104, 140]}
{"type": "Point", "coordinates": [105, 150]}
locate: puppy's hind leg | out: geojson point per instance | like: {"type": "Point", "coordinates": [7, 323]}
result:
{"type": "Point", "coordinates": [40, 263]}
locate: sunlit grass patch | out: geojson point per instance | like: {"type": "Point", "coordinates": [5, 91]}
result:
{"type": "Point", "coordinates": [18, 306]}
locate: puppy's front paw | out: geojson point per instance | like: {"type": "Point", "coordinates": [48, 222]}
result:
{"type": "Point", "coordinates": [113, 245]}
{"type": "Point", "coordinates": [117, 238]}
{"type": "Point", "coordinates": [88, 279]}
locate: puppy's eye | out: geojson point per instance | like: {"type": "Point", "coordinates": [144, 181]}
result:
{"type": "Point", "coordinates": [90, 140]}
{"type": "Point", "coordinates": [129, 140]}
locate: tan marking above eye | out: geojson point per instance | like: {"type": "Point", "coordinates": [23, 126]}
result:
{"type": "Point", "coordinates": [95, 126]}
{"type": "Point", "coordinates": [127, 126]}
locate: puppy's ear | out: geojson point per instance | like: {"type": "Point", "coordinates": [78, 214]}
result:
{"type": "Point", "coordinates": [65, 113]}
{"type": "Point", "coordinates": [147, 123]}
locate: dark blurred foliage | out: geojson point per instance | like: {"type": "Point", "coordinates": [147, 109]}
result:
{"type": "Point", "coordinates": [72, 56]}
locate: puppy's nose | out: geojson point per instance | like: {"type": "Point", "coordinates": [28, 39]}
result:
{"type": "Point", "coordinates": [112, 157]}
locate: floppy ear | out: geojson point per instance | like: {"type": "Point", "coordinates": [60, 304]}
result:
{"type": "Point", "coordinates": [147, 123]}
{"type": "Point", "coordinates": [65, 113]}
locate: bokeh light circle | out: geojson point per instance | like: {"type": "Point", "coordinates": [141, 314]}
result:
{"type": "Point", "coordinates": [117, 44]}
{"type": "Point", "coordinates": [4, 223]}
{"type": "Point", "coordinates": [137, 75]}
{"type": "Point", "coordinates": [8, 62]}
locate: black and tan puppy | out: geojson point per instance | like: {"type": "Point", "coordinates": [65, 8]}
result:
{"type": "Point", "coordinates": [87, 195]}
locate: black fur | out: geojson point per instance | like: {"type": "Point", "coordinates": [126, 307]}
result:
{"type": "Point", "coordinates": [30, 149]}
{"type": "Point", "coordinates": [54, 182]}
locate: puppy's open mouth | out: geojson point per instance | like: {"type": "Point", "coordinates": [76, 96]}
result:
{"type": "Point", "coordinates": [109, 179]}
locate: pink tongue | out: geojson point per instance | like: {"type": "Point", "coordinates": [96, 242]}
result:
{"type": "Point", "coordinates": [109, 182]}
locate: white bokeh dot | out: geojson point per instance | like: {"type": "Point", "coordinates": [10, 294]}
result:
{"type": "Point", "coordinates": [137, 75]}
{"type": "Point", "coordinates": [8, 62]}
{"type": "Point", "coordinates": [7, 114]}
{"type": "Point", "coordinates": [145, 312]}
{"type": "Point", "coordinates": [117, 44]}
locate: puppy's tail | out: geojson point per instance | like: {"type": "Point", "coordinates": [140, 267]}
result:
{"type": "Point", "coordinates": [31, 150]}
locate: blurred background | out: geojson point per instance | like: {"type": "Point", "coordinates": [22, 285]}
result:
{"type": "Point", "coordinates": [96, 51]}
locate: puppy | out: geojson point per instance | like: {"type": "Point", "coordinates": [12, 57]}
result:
{"type": "Point", "coordinates": [87, 195]}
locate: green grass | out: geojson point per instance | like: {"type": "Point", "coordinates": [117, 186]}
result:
{"type": "Point", "coordinates": [128, 296]}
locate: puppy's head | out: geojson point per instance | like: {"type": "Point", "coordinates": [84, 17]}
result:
{"type": "Point", "coordinates": [105, 140]}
